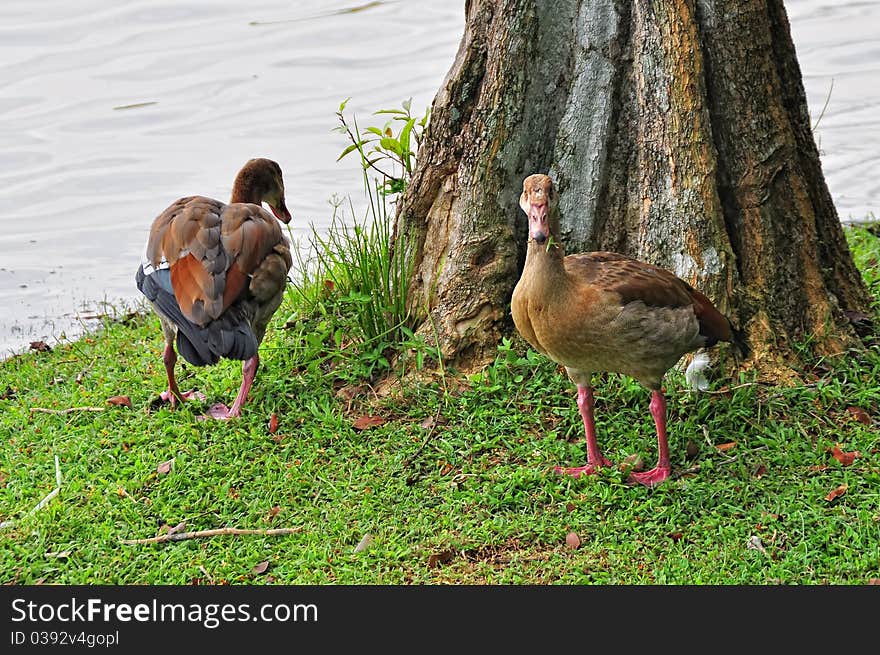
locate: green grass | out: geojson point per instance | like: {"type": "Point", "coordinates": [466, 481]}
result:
{"type": "Point", "coordinates": [356, 267]}
{"type": "Point", "coordinates": [455, 486]}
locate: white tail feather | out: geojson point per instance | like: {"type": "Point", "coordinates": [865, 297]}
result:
{"type": "Point", "coordinates": [695, 372]}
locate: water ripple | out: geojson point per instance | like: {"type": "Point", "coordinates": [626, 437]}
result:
{"type": "Point", "coordinates": [208, 84]}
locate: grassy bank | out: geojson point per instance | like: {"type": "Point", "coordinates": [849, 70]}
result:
{"type": "Point", "coordinates": [452, 482]}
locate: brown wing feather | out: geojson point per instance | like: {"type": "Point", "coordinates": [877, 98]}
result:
{"type": "Point", "coordinates": [634, 280]}
{"type": "Point", "coordinates": [713, 324]}
{"type": "Point", "coordinates": [198, 293]}
{"type": "Point", "coordinates": [631, 279]}
{"type": "Point", "coordinates": [271, 275]}
{"type": "Point", "coordinates": [213, 250]}
{"type": "Point", "coordinates": [187, 236]}
{"type": "Point", "coordinates": [156, 240]}
{"type": "Point", "coordinates": [249, 233]}
{"type": "Point", "coordinates": [236, 281]}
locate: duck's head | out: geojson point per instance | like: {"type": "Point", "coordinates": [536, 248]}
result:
{"type": "Point", "coordinates": [260, 181]}
{"type": "Point", "coordinates": [538, 200]}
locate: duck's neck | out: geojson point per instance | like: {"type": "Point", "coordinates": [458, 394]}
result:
{"type": "Point", "coordinates": [544, 263]}
{"type": "Point", "coordinates": [544, 273]}
{"type": "Point", "coordinates": [244, 189]}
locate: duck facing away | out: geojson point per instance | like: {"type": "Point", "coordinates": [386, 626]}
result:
{"type": "Point", "coordinates": [215, 273]}
{"type": "Point", "coordinates": [603, 311]}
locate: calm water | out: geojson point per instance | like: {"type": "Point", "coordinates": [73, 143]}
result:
{"type": "Point", "coordinates": [110, 111]}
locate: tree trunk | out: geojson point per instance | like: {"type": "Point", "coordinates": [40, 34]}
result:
{"type": "Point", "coordinates": [676, 131]}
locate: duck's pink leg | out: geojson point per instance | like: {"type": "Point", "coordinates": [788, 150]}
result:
{"type": "Point", "coordinates": [248, 373]}
{"type": "Point", "coordinates": [660, 472]}
{"type": "Point", "coordinates": [174, 393]}
{"type": "Point", "coordinates": [595, 459]}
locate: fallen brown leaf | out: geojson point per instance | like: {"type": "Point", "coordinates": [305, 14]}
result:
{"type": "Point", "coordinates": [572, 540]}
{"type": "Point", "coordinates": [273, 512]}
{"type": "Point", "coordinates": [726, 446]}
{"type": "Point", "coordinates": [837, 493]}
{"type": "Point", "coordinates": [760, 471]}
{"type": "Point", "coordinates": [844, 458]}
{"type": "Point", "coordinates": [856, 317]}
{"type": "Point", "coordinates": [859, 414]}
{"type": "Point", "coordinates": [570, 507]}
{"type": "Point", "coordinates": [273, 423]}
{"type": "Point", "coordinates": [367, 421]}
{"type": "Point", "coordinates": [691, 450]}
{"type": "Point", "coordinates": [632, 463]}
{"type": "Point", "coordinates": [261, 567]}
{"type": "Point", "coordinates": [125, 401]}
{"type": "Point", "coordinates": [436, 559]}
{"type": "Point", "coordinates": [165, 467]}
{"type": "Point", "coordinates": [41, 346]}
{"type": "Point", "coordinates": [349, 392]}
{"type": "Point", "coordinates": [675, 536]}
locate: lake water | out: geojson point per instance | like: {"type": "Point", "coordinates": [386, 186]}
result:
{"type": "Point", "coordinates": [110, 111]}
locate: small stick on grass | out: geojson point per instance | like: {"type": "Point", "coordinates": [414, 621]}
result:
{"type": "Point", "coordinates": [42, 503]}
{"type": "Point", "coordinates": [180, 536]}
{"type": "Point", "coordinates": [412, 458]}
{"type": "Point", "coordinates": [205, 573]}
{"type": "Point", "coordinates": [677, 474]}
{"type": "Point", "coordinates": [69, 410]}
{"type": "Point", "coordinates": [696, 469]}
{"type": "Point", "coordinates": [734, 388]}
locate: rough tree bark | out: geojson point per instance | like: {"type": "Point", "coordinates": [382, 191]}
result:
{"type": "Point", "coordinates": [677, 131]}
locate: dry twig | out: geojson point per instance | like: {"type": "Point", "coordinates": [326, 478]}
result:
{"type": "Point", "coordinates": [729, 389]}
{"type": "Point", "coordinates": [42, 503]}
{"type": "Point", "coordinates": [206, 574]}
{"type": "Point", "coordinates": [69, 410]}
{"type": "Point", "coordinates": [180, 536]}
{"type": "Point", "coordinates": [412, 458]}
